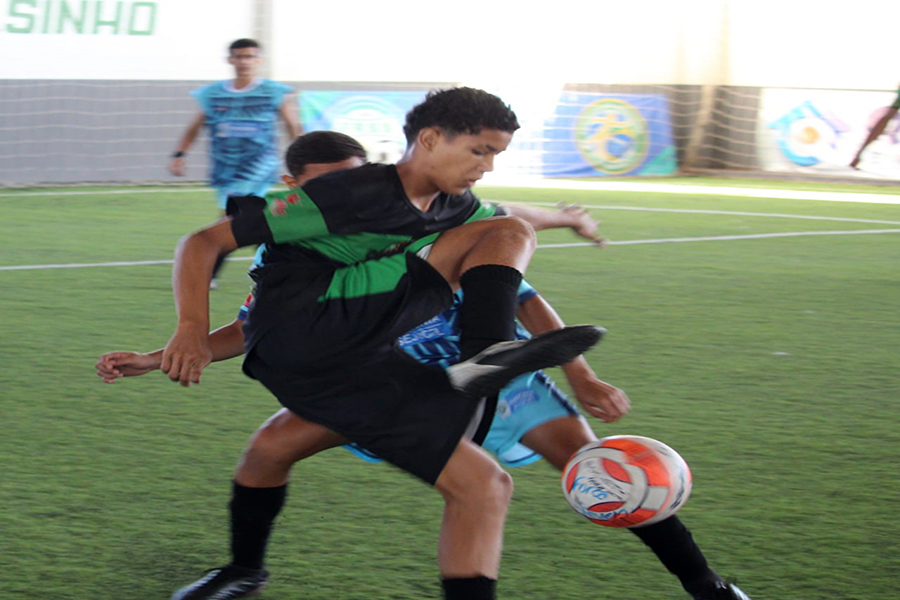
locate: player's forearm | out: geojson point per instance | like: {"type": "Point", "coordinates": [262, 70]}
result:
{"type": "Point", "coordinates": [194, 261]}
{"type": "Point", "coordinates": [227, 342]}
{"type": "Point", "coordinates": [190, 134]}
{"type": "Point", "coordinates": [541, 219]}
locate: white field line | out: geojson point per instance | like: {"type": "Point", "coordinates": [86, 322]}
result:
{"type": "Point", "coordinates": [554, 184]}
{"type": "Point", "coordinates": [707, 212]}
{"type": "Point", "coordinates": [721, 238]}
{"type": "Point", "coordinates": [663, 188]}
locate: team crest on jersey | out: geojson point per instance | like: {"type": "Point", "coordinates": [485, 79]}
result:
{"type": "Point", "coordinates": [278, 207]}
{"type": "Point", "coordinates": [293, 199]}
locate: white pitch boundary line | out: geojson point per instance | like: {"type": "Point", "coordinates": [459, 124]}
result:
{"type": "Point", "coordinates": [706, 212]}
{"type": "Point", "coordinates": [555, 184]}
{"type": "Point", "coordinates": [721, 238]}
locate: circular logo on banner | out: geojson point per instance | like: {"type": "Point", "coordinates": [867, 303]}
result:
{"type": "Point", "coordinates": [376, 123]}
{"type": "Point", "coordinates": [611, 135]}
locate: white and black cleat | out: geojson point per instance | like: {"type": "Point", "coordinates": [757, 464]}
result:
{"type": "Point", "coordinates": [487, 372]}
{"type": "Point", "coordinates": [225, 583]}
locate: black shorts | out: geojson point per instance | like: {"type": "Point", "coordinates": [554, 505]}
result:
{"type": "Point", "coordinates": [337, 364]}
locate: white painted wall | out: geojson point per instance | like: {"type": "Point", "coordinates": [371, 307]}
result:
{"type": "Point", "coordinates": [493, 43]}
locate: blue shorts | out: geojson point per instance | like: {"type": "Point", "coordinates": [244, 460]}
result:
{"type": "Point", "coordinates": [241, 188]}
{"type": "Point", "coordinates": [525, 403]}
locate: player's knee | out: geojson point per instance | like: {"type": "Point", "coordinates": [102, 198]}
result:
{"type": "Point", "coordinates": [517, 229]}
{"type": "Point", "coordinates": [270, 444]}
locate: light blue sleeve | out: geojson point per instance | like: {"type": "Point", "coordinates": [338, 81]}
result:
{"type": "Point", "coordinates": [278, 91]}
{"type": "Point", "coordinates": [201, 95]}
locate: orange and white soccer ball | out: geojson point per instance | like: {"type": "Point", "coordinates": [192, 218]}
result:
{"type": "Point", "coordinates": [626, 481]}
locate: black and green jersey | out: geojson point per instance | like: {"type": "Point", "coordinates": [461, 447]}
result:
{"type": "Point", "coordinates": [351, 223]}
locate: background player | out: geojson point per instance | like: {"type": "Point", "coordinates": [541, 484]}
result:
{"type": "Point", "coordinates": [877, 129]}
{"type": "Point", "coordinates": [240, 115]}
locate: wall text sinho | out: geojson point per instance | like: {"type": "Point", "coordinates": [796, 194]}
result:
{"type": "Point", "coordinates": [84, 17]}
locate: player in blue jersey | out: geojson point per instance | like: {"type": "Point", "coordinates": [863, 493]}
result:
{"type": "Point", "coordinates": [531, 409]}
{"type": "Point", "coordinates": [241, 116]}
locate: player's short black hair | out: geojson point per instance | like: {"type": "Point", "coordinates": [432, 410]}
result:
{"type": "Point", "coordinates": [243, 43]}
{"type": "Point", "coordinates": [321, 147]}
{"type": "Point", "coordinates": [461, 110]}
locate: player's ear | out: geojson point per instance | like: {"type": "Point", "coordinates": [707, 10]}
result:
{"type": "Point", "coordinates": [428, 137]}
{"type": "Point", "coordinates": [290, 181]}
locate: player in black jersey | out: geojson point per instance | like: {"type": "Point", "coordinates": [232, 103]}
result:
{"type": "Point", "coordinates": [355, 259]}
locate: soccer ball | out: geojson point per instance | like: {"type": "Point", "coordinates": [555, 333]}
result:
{"type": "Point", "coordinates": [626, 481]}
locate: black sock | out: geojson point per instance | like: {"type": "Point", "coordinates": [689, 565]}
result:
{"type": "Point", "coordinates": [220, 260]}
{"type": "Point", "coordinates": [253, 510]}
{"type": "Point", "coordinates": [488, 312]}
{"type": "Point", "coordinates": [470, 588]}
{"type": "Point", "coordinates": [673, 544]}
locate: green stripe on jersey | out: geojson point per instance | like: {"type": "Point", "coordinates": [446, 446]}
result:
{"type": "Point", "coordinates": [381, 275]}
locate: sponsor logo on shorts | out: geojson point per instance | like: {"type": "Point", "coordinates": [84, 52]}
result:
{"type": "Point", "coordinates": [515, 401]}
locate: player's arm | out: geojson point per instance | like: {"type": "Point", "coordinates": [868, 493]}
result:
{"type": "Point", "coordinates": [597, 397]}
{"type": "Point", "coordinates": [188, 352]}
{"type": "Point", "coordinates": [291, 126]}
{"type": "Point", "coordinates": [225, 342]}
{"type": "Point", "coordinates": [572, 216]}
{"type": "Point", "coordinates": [176, 165]}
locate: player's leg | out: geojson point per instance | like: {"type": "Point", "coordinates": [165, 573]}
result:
{"type": "Point", "coordinates": [557, 440]}
{"type": "Point", "coordinates": [487, 259]}
{"type": "Point", "coordinates": [476, 495]}
{"type": "Point", "coordinates": [258, 494]}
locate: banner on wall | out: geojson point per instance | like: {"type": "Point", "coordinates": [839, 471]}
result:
{"type": "Point", "coordinates": [587, 135]}
{"type": "Point", "coordinates": [606, 134]}
{"type": "Point", "coordinates": [819, 132]}
{"type": "Point", "coordinates": [374, 118]}
{"type": "Point", "coordinates": [120, 39]}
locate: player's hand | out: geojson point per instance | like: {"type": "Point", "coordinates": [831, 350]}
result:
{"type": "Point", "coordinates": [601, 400]}
{"type": "Point", "coordinates": [186, 355]}
{"type": "Point", "coordinates": [176, 166]}
{"type": "Point", "coordinates": [113, 365]}
{"type": "Point", "coordinates": [582, 223]}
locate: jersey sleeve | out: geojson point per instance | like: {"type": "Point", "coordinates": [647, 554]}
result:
{"type": "Point", "coordinates": [279, 91]}
{"type": "Point", "coordinates": [201, 95]}
{"type": "Point", "coordinates": [289, 216]}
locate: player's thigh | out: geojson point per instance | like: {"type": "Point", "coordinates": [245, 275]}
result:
{"type": "Point", "coordinates": [559, 439]}
{"type": "Point", "coordinates": [287, 436]}
{"type": "Point", "coordinates": [448, 252]}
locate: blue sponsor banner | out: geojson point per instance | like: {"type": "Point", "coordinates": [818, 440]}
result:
{"type": "Point", "coordinates": [375, 118]}
{"type": "Point", "coordinates": [609, 134]}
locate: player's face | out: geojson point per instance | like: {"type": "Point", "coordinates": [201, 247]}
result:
{"type": "Point", "coordinates": [313, 170]}
{"type": "Point", "coordinates": [245, 61]}
{"type": "Point", "coordinates": [457, 163]}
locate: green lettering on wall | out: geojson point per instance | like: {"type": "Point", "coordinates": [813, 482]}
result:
{"type": "Point", "coordinates": [15, 8]}
{"type": "Point", "coordinates": [99, 21]}
{"type": "Point", "coordinates": [67, 16]}
{"type": "Point", "coordinates": [147, 17]}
